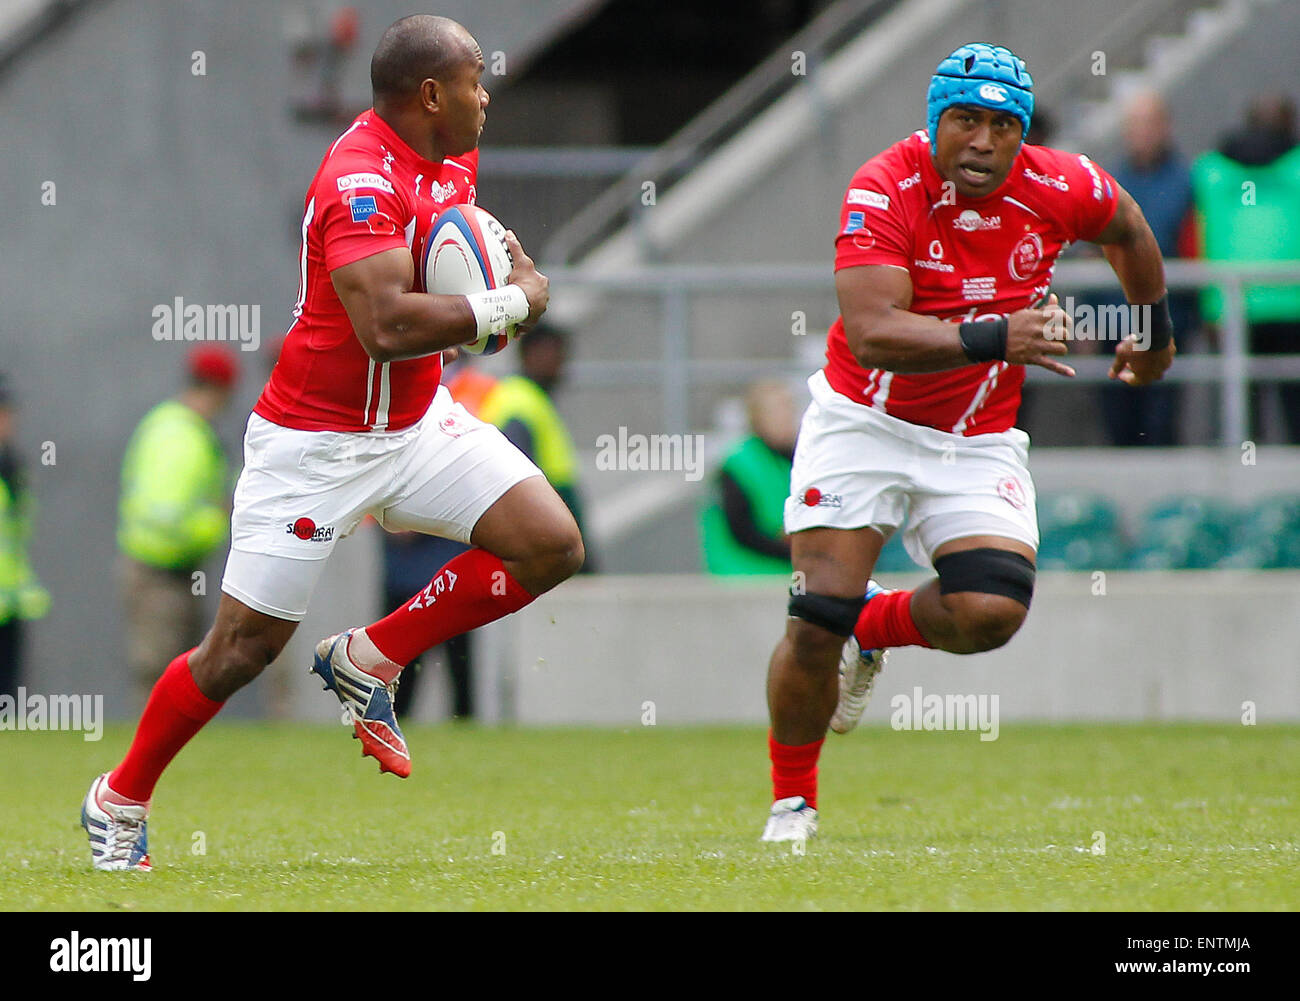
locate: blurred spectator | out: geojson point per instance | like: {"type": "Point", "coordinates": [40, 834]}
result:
{"type": "Point", "coordinates": [412, 558]}
{"type": "Point", "coordinates": [1159, 179]}
{"type": "Point", "coordinates": [744, 526]}
{"type": "Point", "coordinates": [21, 596]}
{"type": "Point", "coordinates": [1248, 200]}
{"type": "Point", "coordinates": [173, 513]}
{"type": "Point", "coordinates": [320, 42]}
{"type": "Point", "coordinates": [520, 405]}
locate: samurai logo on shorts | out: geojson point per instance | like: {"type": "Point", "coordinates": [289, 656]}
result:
{"type": "Point", "coordinates": [305, 529]}
{"type": "Point", "coordinates": [1025, 256]}
{"type": "Point", "coordinates": [1011, 491]}
{"type": "Point", "coordinates": [812, 497]}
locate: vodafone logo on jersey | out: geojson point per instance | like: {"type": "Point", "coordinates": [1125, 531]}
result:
{"type": "Point", "coordinates": [1025, 257]}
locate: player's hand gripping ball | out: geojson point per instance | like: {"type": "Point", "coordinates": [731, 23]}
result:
{"type": "Point", "coordinates": [465, 253]}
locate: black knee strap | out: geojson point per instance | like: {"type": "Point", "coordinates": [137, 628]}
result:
{"type": "Point", "coordinates": [835, 615]}
{"type": "Point", "coordinates": [988, 571]}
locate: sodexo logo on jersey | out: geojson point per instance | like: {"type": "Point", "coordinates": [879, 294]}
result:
{"type": "Point", "coordinates": [308, 531]}
{"type": "Point", "coordinates": [1059, 183]}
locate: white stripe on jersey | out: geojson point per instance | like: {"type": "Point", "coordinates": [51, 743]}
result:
{"type": "Point", "coordinates": [381, 410]}
{"type": "Point", "coordinates": [882, 391]}
{"type": "Point", "coordinates": [981, 394]}
{"type": "Point", "coordinates": [302, 263]}
{"type": "Point", "coordinates": [1008, 198]}
{"type": "Point", "coordinates": [354, 125]}
{"type": "Point", "coordinates": [370, 382]}
{"type": "Point", "coordinates": [452, 163]}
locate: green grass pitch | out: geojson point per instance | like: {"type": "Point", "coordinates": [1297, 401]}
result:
{"type": "Point", "coordinates": [276, 816]}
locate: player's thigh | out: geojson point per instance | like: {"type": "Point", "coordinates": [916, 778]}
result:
{"type": "Point", "coordinates": [847, 496]}
{"type": "Point", "coordinates": [835, 561]}
{"type": "Point", "coordinates": [971, 489]}
{"type": "Point", "coordinates": [527, 518]}
{"type": "Point", "coordinates": [454, 472]}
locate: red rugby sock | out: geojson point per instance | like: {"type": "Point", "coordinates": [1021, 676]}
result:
{"type": "Point", "coordinates": [470, 591]}
{"type": "Point", "coordinates": [886, 620]}
{"type": "Point", "coordinates": [794, 769]}
{"type": "Point", "coordinates": [175, 712]}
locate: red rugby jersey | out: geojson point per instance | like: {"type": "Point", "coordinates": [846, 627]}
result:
{"type": "Point", "coordinates": [969, 259]}
{"type": "Point", "coordinates": [371, 193]}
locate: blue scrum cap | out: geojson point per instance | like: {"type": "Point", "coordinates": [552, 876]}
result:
{"type": "Point", "coordinates": [988, 76]}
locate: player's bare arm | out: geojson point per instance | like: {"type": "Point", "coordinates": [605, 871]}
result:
{"type": "Point", "coordinates": [393, 322]}
{"type": "Point", "coordinates": [1131, 249]}
{"type": "Point", "coordinates": [882, 332]}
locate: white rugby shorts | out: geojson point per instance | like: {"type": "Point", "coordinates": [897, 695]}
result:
{"type": "Point", "coordinates": [856, 467]}
{"type": "Point", "coordinates": [302, 491]}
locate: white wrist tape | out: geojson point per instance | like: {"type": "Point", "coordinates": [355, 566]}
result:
{"type": "Point", "coordinates": [498, 308]}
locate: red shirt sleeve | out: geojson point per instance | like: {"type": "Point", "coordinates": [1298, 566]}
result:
{"type": "Point", "coordinates": [360, 212]}
{"type": "Point", "coordinates": [873, 226]}
{"type": "Point", "coordinates": [1094, 196]}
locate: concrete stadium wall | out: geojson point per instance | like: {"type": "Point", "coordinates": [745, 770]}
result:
{"type": "Point", "coordinates": [1190, 646]}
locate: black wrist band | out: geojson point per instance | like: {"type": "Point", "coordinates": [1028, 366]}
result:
{"type": "Point", "coordinates": [985, 340]}
{"type": "Point", "coordinates": [1159, 323]}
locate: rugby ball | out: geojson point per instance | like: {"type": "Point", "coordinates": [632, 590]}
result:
{"type": "Point", "coordinates": [465, 253]}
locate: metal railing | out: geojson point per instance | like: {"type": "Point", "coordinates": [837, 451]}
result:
{"type": "Point", "coordinates": [664, 165]}
{"type": "Point", "coordinates": [1232, 368]}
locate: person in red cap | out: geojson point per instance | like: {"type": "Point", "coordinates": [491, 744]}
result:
{"type": "Point", "coordinates": [173, 513]}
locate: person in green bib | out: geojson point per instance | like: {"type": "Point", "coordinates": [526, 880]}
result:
{"type": "Point", "coordinates": [174, 513]}
{"type": "Point", "coordinates": [521, 406]}
{"type": "Point", "coordinates": [22, 598]}
{"type": "Point", "coordinates": [1248, 204]}
{"type": "Point", "coordinates": [743, 524]}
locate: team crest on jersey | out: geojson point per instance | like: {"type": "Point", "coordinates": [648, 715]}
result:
{"type": "Point", "coordinates": [1011, 491]}
{"type": "Point", "coordinates": [451, 426]}
{"type": "Point", "coordinates": [1025, 257]}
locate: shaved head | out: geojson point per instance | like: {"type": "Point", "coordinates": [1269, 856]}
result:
{"type": "Point", "coordinates": [419, 48]}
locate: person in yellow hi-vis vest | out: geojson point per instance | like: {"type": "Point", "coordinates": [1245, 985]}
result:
{"type": "Point", "coordinates": [174, 513]}
{"type": "Point", "coordinates": [21, 596]}
{"type": "Point", "coordinates": [520, 405]}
